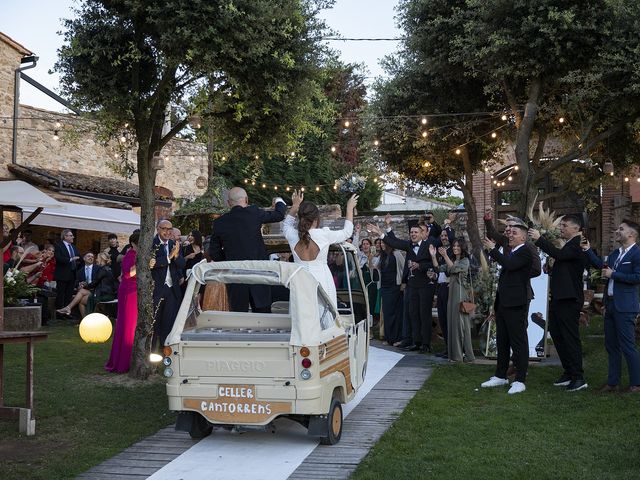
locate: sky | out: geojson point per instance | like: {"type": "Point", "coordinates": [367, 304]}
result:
{"type": "Point", "coordinates": [34, 24]}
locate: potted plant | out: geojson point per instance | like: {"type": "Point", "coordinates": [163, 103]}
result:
{"type": "Point", "coordinates": [17, 294]}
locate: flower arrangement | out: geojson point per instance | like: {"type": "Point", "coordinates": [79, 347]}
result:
{"type": "Point", "coordinates": [16, 287]}
{"type": "Point", "coordinates": [547, 223]}
{"type": "Point", "coordinates": [351, 183]}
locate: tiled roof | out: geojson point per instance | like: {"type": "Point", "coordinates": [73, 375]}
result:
{"type": "Point", "coordinates": [61, 180]}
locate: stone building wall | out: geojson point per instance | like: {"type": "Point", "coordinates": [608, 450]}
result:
{"type": "Point", "coordinates": [10, 55]}
{"type": "Point", "coordinates": [79, 150]}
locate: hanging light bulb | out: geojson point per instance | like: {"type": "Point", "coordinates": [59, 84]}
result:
{"type": "Point", "coordinates": [426, 164]}
{"type": "Point", "coordinates": [275, 187]}
{"type": "Point", "coordinates": [253, 182]}
{"type": "Point", "coordinates": [264, 185]}
{"type": "Point", "coordinates": [503, 118]}
{"type": "Point", "coordinates": [458, 151]}
{"type": "Point", "coordinates": [335, 187]}
{"type": "Point", "coordinates": [123, 139]}
{"type": "Point", "coordinates": [376, 142]}
{"type": "Point", "coordinates": [375, 180]}
{"type": "Point", "coordinates": [317, 189]}
{"type": "Point", "coordinates": [626, 179]}
{"type": "Point", "coordinates": [257, 157]}
{"type": "Point", "coordinates": [302, 189]}
{"type": "Point", "coordinates": [509, 178]}
{"type": "Point", "coordinates": [638, 179]}
{"type": "Point", "coordinates": [58, 125]}
{"type": "Point", "coordinates": [494, 134]}
{"type": "Point", "coordinates": [347, 124]}
{"type": "Point", "coordinates": [126, 125]}
{"type": "Point", "coordinates": [246, 180]}
{"type": "Point", "coordinates": [333, 149]}
{"type": "Point", "coordinates": [224, 159]}
{"type": "Point", "coordinates": [424, 134]}
{"type": "Point", "coordinates": [561, 120]}
{"type": "Point", "coordinates": [293, 154]}
{"type": "Point", "coordinates": [516, 168]}
{"type": "Point", "coordinates": [287, 189]}
{"type": "Point", "coordinates": [423, 121]}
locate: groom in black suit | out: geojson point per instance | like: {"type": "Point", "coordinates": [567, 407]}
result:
{"type": "Point", "coordinates": [166, 264]}
{"type": "Point", "coordinates": [511, 307]}
{"type": "Point", "coordinates": [237, 235]}
{"type": "Point", "coordinates": [421, 281]}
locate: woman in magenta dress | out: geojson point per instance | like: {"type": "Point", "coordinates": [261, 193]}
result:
{"type": "Point", "coordinates": [122, 347]}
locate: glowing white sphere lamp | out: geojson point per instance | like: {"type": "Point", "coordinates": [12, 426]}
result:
{"type": "Point", "coordinates": [95, 328]}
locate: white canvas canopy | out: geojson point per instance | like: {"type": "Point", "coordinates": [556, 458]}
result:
{"type": "Point", "coordinates": [16, 193]}
{"type": "Point", "coordinates": [307, 298]}
{"type": "Point", "coordinates": [88, 217]}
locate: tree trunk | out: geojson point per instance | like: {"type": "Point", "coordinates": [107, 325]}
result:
{"type": "Point", "coordinates": [522, 148]}
{"type": "Point", "coordinates": [140, 366]}
{"type": "Point", "coordinates": [470, 206]}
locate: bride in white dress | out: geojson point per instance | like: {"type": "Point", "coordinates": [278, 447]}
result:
{"type": "Point", "coordinates": [310, 244]}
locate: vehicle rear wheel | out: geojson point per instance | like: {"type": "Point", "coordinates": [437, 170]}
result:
{"type": "Point", "coordinates": [200, 428]}
{"type": "Point", "coordinates": [334, 423]}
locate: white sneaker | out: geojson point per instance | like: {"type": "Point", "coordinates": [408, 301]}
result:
{"type": "Point", "coordinates": [495, 382]}
{"type": "Point", "coordinates": [517, 387]}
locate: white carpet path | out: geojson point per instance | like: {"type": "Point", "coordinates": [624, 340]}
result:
{"type": "Point", "coordinates": [263, 455]}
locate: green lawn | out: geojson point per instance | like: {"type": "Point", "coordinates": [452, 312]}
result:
{"type": "Point", "coordinates": [84, 415]}
{"type": "Point", "coordinates": [453, 429]}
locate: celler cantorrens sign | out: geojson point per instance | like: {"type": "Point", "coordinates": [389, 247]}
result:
{"type": "Point", "coordinates": [236, 403]}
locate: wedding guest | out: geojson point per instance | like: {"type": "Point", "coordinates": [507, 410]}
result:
{"type": "Point", "coordinates": [622, 271]}
{"type": "Point", "coordinates": [391, 266]}
{"type": "Point", "coordinates": [102, 288]}
{"type": "Point", "coordinates": [369, 273]}
{"type": "Point", "coordinates": [122, 346]}
{"type": "Point", "coordinates": [459, 346]}
{"type": "Point", "coordinates": [511, 307]}
{"type": "Point", "coordinates": [114, 253]}
{"type": "Point", "coordinates": [66, 255]}
{"type": "Point", "coordinates": [567, 297]}
{"type": "Point", "coordinates": [192, 250]}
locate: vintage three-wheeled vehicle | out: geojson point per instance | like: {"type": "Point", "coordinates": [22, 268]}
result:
{"type": "Point", "coordinates": [244, 369]}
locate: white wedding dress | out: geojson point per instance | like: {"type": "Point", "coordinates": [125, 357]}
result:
{"type": "Point", "coordinates": [323, 237]}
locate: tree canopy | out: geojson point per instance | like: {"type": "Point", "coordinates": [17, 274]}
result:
{"type": "Point", "coordinates": [536, 61]}
{"type": "Point", "coordinates": [127, 61]}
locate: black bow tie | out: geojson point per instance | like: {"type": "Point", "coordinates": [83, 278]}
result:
{"type": "Point", "coordinates": [414, 245]}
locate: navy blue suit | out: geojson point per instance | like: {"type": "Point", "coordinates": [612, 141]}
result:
{"type": "Point", "coordinates": [166, 299]}
{"type": "Point", "coordinates": [620, 313]}
{"type": "Point", "coordinates": [237, 235]}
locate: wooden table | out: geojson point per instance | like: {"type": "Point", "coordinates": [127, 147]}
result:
{"type": "Point", "coordinates": [24, 415]}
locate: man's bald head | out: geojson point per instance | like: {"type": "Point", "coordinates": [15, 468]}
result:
{"type": "Point", "coordinates": [238, 197]}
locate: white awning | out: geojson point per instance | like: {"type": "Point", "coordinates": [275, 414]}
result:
{"type": "Point", "coordinates": [87, 217]}
{"type": "Point", "coordinates": [16, 193]}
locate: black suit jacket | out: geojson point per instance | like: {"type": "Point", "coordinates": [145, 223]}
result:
{"type": "Point", "coordinates": [513, 283]}
{"type": "Point", "coordinates": [159, 270]}
{"type": "Point", "coordinates": [81, 275]}
{"type": "Point", "coordinates": [423, 257]}
{"type": "Point", "coordinates": [566, 274]}
{"type": "Point", "coordinates": [237, 234]}
{"type": "Point", "coordinates": [64, 271]}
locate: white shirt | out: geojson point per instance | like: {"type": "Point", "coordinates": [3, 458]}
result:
{"type": "Point", "coordinates": [623, 251]}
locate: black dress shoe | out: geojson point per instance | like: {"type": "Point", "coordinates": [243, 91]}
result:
{"type": "Point", "coordinates": [425, 349]}
{"type": "Point", "coordinates": [411, 348]}
{"type": "Point", "coordinates": [442, 355]}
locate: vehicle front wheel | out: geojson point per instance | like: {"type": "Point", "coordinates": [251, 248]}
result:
{"type": "Point", "coordinates": [200, 428]}
{"type": "Point", "coordinates": [334, 424]}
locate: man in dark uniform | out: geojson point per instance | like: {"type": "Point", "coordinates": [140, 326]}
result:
{"type": "Point", "coordinates": [237, 235]}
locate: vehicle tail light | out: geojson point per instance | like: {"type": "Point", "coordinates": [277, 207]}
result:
{"type": "Point", "coordinates": [306, 362]}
